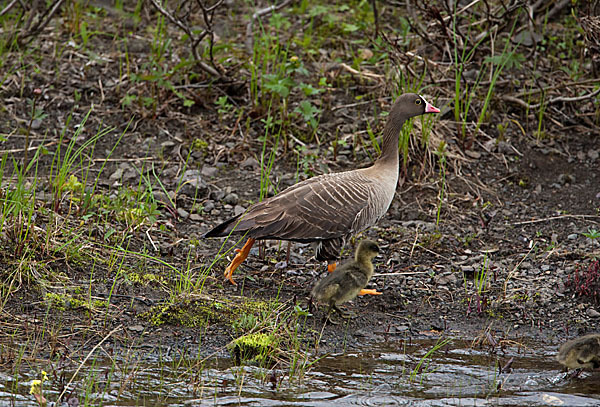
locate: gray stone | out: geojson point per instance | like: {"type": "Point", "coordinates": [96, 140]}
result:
{"type": "Point", "coordinates": [36, 124]}
{"type": "Point", "coordinates": [117, 174]}
{"type": "Point", "coordinates": [249, 162]}
{"type": "Point", "coordinates": [209, 171]}
{"type": "Point", "coordinates": [572, 236]}
{"type": "Point", "coordinates": [446, 279]}
{"type": "Point", "coordinates": [238, 210]}
{"type": "Point", "coordinates": [592, 313]}
{"type": "Point", "coordinates": [136, 328]}
{"type": "Point", "coordinates": [593, 155]}
{"type": "Point", "coordinates": [209, 206]}
{"type": "Point", "coordinates": [183, 213]}
{"type": "Point", "coordinates": [231, 199]}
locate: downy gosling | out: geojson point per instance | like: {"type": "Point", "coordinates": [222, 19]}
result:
{"type": "Point", "coordinates": [581, 353]}
{"type": "Point", "coordinates": [346, 282]}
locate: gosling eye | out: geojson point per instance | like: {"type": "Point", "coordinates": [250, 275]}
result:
{"type": "Point", "coordinates": [417, 101]}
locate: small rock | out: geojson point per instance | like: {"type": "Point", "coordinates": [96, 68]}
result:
{"type": "Point", "coordinates": [593, 155]}
{"type": "Point", "coordinates": [545, 267]}
{"type": "Point", "coordinates": [238, 210]}
{"type": "Point", "coordinates": [117, 174]}
{"type": "Point", "coordinates": [209, 206]}
{"type": "Point", "coordinates": [217, 195]}
{"type": "Point", "coordinates": [168, 143]}
{"type": "Point", "coordinates": [136, 328]}
{"type": "Point", "coordinates": [249, 162]}
{"type": "Point", "coordinates": [209, 171]}
{"type": "Point", "coordinates": [473, 154]}
{"type": "Point", "coordinates": [194, 187]}
{"type": "Point", "coordinates": [36, 124]}
{"type": "Point", "coordinates": [231, 199]}
{"type": "Point", "coordinates": [592, 313]}
{"type": "Point", "coordinates": [183, 213]}
{"type": "Point", "coordinates": [160, 196]}
{"type": "Point", "coordinates": [572, 236]}
{"type": "Point", "coordinates": [195, 217]}
{"type": "Point", "coordinates": [446, 279]}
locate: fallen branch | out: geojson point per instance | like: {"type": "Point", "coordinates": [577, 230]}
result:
{"type": "Point", "coordinates": [525, 222]}
{"type": "Point", "coordinates": [526, 105]}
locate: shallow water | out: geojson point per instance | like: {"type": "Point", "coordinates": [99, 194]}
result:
{"type": "Point", "coordinates": [455, 375]}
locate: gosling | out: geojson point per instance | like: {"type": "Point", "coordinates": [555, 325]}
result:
{"type": "Point", "coordinates": [581, 353]}
{"type": "Point", "coordinates": [347, 281]}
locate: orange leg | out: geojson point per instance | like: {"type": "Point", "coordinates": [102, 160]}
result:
{"type": "Point", "coordinates": [331, 267]}
{"type": "Point", "coordinates": [238, 259]}
{"type": "Point", "coordinates": [370, 291]}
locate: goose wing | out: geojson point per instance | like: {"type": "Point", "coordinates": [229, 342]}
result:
{"type": "Point", "coordinates": [320, 208]}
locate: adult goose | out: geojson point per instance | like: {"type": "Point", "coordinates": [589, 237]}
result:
{"type": "Point", "coordinates": [327, 209]}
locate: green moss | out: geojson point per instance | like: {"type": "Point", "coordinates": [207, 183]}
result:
{"type": "Point", "coordinates": [63, 302]}
{"type": "Point", "coordinates": [145, 279]}
{"type": "Point", "coordinates": [191, 314]}
{"type": "Point", "coordinates": [56, 301]}
{"type": "Point", "coordinates": [256, 347]}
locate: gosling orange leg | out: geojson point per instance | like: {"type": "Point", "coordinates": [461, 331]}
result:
{"type": "Point", "coordinates": [369, 291]}
{"type": "Point", "coordinates": [238, 259]}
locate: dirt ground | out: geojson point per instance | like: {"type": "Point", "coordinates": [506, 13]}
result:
{"type": "Point", "coordinates": [513, 204]}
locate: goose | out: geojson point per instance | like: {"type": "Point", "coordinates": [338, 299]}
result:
{"type": "Point", "coordinates": [581, 353]}
{"type": "Point", "coordinates": [346, 282]}
{"type": "Point", "coordinates": [327, 209]}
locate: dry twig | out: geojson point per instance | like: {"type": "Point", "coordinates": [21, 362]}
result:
{"type": "Point", "coordinates": [196, 39]}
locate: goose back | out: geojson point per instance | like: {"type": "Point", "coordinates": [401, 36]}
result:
{"type": "Point", "coordinates": [329, 206]}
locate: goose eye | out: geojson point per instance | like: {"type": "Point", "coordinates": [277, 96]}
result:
{"type": "Point", "coordinates": [417, 101]}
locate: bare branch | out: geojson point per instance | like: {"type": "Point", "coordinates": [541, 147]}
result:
{"type": "Point", "coordinates": [193, 39]}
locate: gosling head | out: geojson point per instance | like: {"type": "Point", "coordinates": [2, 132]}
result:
{"type": "Point", "coordinates": [367, 249]}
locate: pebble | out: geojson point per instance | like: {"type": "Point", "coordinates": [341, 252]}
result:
{"type": "Point", "coordinates": [209, 205]}
{"type": "Point", "coordinates": [117, 174]}
{"type": "Point", "coordinates": [249, 162]}
{"type": "Point", "coordinates": [231, 198]}
{"type": "Point", "coordinates": [572, 236]}
{"type": "Point", "coordinates": [592, 313]}
{"type": "Point", "coordinates": [36, 124]}
{"type": "Point", "coordinates": [545, 267]}
{"type": "Point", "coordinates": [447, 278]}
{"type": "Point", "coordinates": [136, 328]}
{"type": "Point", "coordinates": [238, 210]}
{"type": "Point", "coordinates": [192, 183]}
{"type": "Point", "coordinates": [209, 171]}
{"type": "Point", "coordinates": [593, 155]}
{"type": "Point", "coordinates": [183, 213]}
